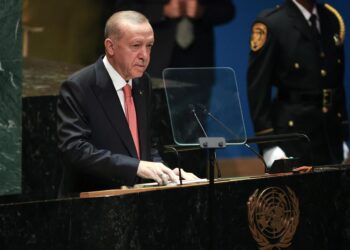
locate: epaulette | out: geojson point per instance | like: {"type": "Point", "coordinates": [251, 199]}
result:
{"type": "Point", "coordinates": [259, 30]}
{"type": "Point", "coordinates": [340, 21]}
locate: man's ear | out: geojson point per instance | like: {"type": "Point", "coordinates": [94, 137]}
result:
{"type": "Point", "coordinates": [109, 46]}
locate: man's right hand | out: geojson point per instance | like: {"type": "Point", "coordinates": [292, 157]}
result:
{"type": "Point", "coordinates": [174, 9]}
{"type": "Point", "coordinates": [194, 9]}
{"type": "Point", "coordinates": [156, 171]}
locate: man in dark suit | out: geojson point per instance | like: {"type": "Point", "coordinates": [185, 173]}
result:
{"type": "Point", "coordinates": [105, 142]}
{"type": "Point", "coordinates": [184, 32]}
{"type": "Point", "coordinates": [298, 48]}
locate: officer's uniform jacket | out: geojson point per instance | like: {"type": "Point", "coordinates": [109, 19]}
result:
{"type": "Point", "coordinates": [308, 75]}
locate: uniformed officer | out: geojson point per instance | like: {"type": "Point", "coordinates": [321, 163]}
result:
{"type": "Point", "coordinates": [298, 49]}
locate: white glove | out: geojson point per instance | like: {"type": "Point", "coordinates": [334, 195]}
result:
{"type": "Point", "coordinates": [272, 154]}
{"type": "Point", "coordinates": [345, 151]}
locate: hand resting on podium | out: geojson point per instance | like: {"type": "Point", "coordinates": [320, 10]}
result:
{"type": "Point", "coordinates": [275, 154]}
{"type": "Point", "coordinates": [161, 174]}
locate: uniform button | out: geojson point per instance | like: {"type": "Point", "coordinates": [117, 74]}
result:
{"type": "Point", "coordinates": [324, 110]}
{"type": "Point", "coordinates": [339, 61]}
{"type": "Point", "coordinates": [323, 72]}
{"type": "Point", "coordinates": [296, 66]}
{"type": "Point", "coordinates": [322, 55]}
{"type": "Point", "coordinates": [339, 115]}
{"type": "Point", "coordinates": [291, 123]}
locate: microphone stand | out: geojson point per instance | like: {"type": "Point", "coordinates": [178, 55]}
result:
{"type": "Point", "coordinates": [174, 150]}
{"type": "Point", "coordinates": [210, 143]}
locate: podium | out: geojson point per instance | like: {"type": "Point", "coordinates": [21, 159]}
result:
{"type": "Point", "coordinates": [176, 217]}
{"type": "Point", "coordinates": [164, 217]}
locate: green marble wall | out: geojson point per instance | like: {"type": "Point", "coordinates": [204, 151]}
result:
{"type": "Point", "coordinates": [10, 96]}
{"type": "Point", "coordinates": [72, 30]}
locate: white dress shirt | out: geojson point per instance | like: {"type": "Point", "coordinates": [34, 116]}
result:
{"type": "Point", "coordinates": [307, 14]}
{"type": "Point", "coordinates": [118, 81]}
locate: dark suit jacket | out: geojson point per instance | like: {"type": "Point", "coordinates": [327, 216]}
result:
{"type": "Point", "coordinates": [94, 138]}
{"type": "Point", "coordinates": [165, 53]}
{"type": "Point", "coordinates": [292, 60]}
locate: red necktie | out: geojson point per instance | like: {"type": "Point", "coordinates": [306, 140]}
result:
{"type": "Point", "coordinates": [130, 114]}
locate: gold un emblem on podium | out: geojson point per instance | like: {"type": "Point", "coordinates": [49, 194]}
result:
{"type": "Point", "coordinates": [273, 216]}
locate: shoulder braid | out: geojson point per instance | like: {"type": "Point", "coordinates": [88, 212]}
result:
{"type": "Point", "coordinates": [340, 21]}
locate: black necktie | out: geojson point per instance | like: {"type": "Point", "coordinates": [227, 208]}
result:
{"type": "Point", "coordinates": [314, 29]}
{"type": "Point", "coordinates": [184, 33]}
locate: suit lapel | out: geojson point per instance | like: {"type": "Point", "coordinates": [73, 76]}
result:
{"type": "Point", "coordinates": [108, 98]}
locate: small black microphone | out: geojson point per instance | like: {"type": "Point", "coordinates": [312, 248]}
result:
{"type": "Point", "coordinates": [205, 111]}
{"type": "Point", "coordinates": [202, 108]}
{"type": "Point", "coordinates": [194, 112]}
{"type": "Point", "coordinates": [191, 107]}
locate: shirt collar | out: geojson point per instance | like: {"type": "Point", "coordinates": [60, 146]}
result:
{"type": "Point", "coordinates": [117, 79]}
{"type": "Point", "coordinates": [305, 12]}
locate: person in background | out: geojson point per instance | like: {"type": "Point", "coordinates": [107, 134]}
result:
{"type": "Point", "coordinates": [297, 48]}
{"type": "Point", "coordinates": [184, 30]}
{"type": "Point", "coordinates": [104, 114]}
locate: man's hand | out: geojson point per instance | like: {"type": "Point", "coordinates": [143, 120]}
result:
{"type": "Point", "coordinates": [185, 175]}
{"type": "Point", "coordinates": [174, 9]}
{"type": "Point", "coordinates": [156, 171]}
{"type": "Point", "coordinates": [193, 9]}
{"type": "Point", "coordinates": [303, 169]}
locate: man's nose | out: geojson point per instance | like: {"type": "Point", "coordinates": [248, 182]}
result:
{"type": "Point", "coordinates": [143, 53]}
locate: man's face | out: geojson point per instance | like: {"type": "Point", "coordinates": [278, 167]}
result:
{"type": "Point", "coordinates": [131, 52]}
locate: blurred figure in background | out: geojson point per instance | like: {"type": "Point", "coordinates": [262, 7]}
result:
{"type": "Point", "coordinates": [298, 48]}
{"type": "Point", "coordinates": [184, 30]}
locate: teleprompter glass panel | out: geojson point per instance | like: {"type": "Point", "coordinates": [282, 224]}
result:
{"type": "Point", "coordinates": [203, 102]}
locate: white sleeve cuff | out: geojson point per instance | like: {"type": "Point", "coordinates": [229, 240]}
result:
{"type": "Point", "coordinates": [272, 154]}
{"type": "Point", "coordinates": [345, 151]}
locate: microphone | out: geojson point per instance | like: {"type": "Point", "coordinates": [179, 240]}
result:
{"type": "Point", "coordinates": [213, 158]}
{"type": "Point", "coordinates": [207, 142]}
{"type": "Point", "coordinates": [205, 111]}
{"type": "Point", "coordinates": [194, 112]}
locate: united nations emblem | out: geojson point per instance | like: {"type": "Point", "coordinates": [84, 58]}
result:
{"type": "Point", "coordinates": [273, 216]}
{"type": "Point", "coordinates": [258, 37]}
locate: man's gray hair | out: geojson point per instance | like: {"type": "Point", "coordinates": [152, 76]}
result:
{"type": "Point", "coordinates": [114, 23]}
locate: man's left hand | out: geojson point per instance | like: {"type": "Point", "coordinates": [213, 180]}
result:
{"type": "Point", "coordinates": [185, 175]}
